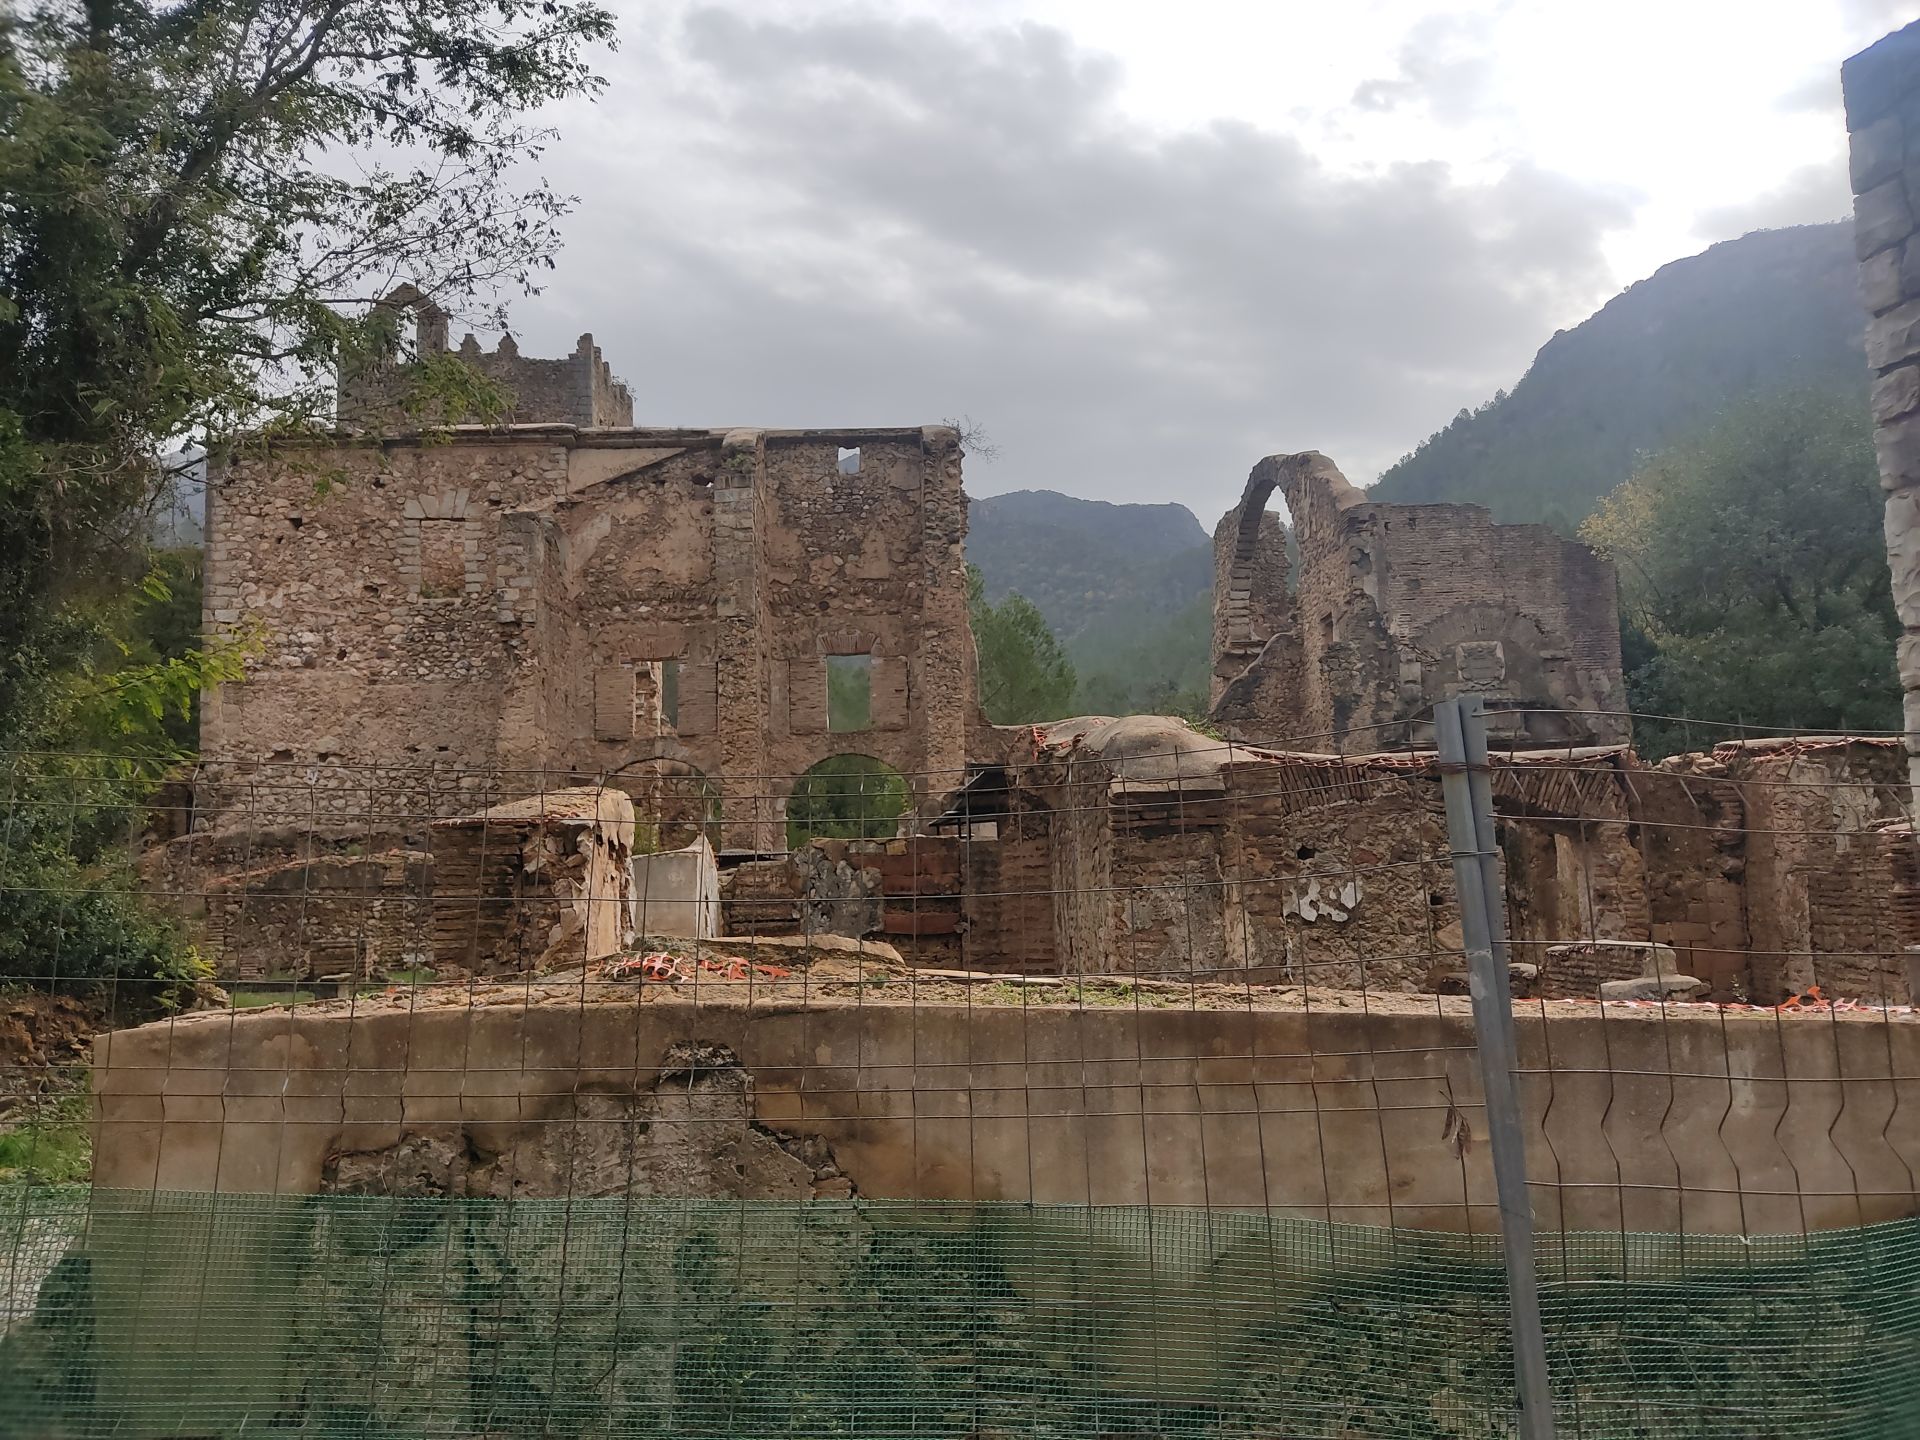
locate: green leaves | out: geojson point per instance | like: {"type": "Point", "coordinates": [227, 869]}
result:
{"type": "Point", "coordinates": [1753, 573]}
{"type": "Point", "coordinates": [197, 204]}
{"type": "Point", "coordinates": [1024, 674]}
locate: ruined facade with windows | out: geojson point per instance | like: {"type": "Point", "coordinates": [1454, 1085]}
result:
{"type": "Point", "coordinates": [1398, 606]}
{"type": "Point", "coordinates": [462, 630]}
{"type": "Point", "coordinates": [687, 613]}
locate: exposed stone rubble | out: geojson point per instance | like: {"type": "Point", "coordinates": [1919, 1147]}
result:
{"type": "Point", "coordinates": [1399, 606]}
{"type": "Point", "coordinates": [331, 917]}
{"type": "Point", "coordinates": [690, 1134]}
{"type": "Point", "coordinates": [534, 883]}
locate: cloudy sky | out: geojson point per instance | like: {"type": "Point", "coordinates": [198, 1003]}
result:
{"type": "Point", "coordinates": [1144, 243]}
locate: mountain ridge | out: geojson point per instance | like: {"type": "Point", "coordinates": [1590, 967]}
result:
{"type": "Point", "coordinates": [1774, 309]}
{"type": "Point", "coordinates": [1080, 560]}
{"type": "Point", "coordinates": [1126, 588]}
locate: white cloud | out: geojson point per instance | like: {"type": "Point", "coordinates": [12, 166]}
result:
{"type": "Point", "coordinates": [801, 217]}
{"type": "Point", "coordinates": [1807, 196]}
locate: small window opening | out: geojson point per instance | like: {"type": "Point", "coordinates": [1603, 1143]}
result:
{"type": "Point", "coordinates": [656, 696]}
{"type": "Point", "coordinates": [849, 692]}
{"type": "Point", "coordinates": [850, 460]}
{"type": "Point", "coordinates": [443, 558]}
{"type": "Point", "coordinates": [670, 693]}
{"type": "Point", "coordinates": [1305, 852]}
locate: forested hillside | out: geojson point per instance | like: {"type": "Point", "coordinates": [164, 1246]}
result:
{"type": "Point", "coordinates": [1773, 310]}
{"type": "Point", "coordinates": [1126, 588]}
{"type": "Point", "coordinates": [1081, 561]}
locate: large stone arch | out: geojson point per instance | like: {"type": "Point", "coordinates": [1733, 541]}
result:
{"type": "Point", "coordinates": [895, 799]}
{"type": "Point", "coordinates": [675, 801]}
{"type": "Point", "coordinates": [1238, 550]}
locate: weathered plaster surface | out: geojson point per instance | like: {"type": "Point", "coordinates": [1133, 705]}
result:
{"type": "Point", "coordinates": [1702, 1121]}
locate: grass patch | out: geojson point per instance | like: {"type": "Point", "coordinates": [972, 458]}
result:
{"type": "Point", "coordinates": [53, 1146]}
{"type": "Point", "coordinates": [255, 999]}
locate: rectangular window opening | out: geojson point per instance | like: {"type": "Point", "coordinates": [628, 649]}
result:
{"type": "Point", "coordinates": [849, 692]}
{"type": "Point", "coordinates": [656, 696]}
{"type": "Point", "coordinates": [670, 693]}
{"type": "Point", "coordinates": [443, 558]}
{"type": "Point", "coordinates": [850, 460]}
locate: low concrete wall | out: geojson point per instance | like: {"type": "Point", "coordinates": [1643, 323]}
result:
{"type": "Point", "coordinates": [1698, 1121]}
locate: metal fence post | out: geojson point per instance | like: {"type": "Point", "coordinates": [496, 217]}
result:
{"type": "Point", "coordinates": [1460, 732]}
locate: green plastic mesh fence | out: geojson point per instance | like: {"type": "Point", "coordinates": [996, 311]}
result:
{"type": "Point", "coordinates": [195, 1315]}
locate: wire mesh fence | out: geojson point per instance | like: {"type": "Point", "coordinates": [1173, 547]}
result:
{"type": "Point", "coordinates": [1127, 1083]}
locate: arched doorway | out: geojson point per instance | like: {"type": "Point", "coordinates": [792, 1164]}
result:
{"type": "Point", "coordinates": [673, 804]}
{"type": "Point", "coordinates": [847, 797]}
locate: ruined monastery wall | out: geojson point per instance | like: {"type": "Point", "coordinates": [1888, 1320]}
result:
{"type": "Point", "coordinates": [1399, 606]}
{"type": "Point", "coordinates": [557, 601]}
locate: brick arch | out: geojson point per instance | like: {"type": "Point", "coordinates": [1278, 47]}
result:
{"type": "Point", "coordinates": [1237, 603]}
{"type": "Point", "coordinates": [670, 792]}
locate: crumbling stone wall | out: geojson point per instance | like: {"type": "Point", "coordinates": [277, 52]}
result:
{"type": "Point", "coordinates": [1692, 823]}
{"type": "Point", "coordinates": [1008, 898]}
{"type": "Point", "coordinates": [1343, 877]}
{"type": "Point", "coordinates": [1571, 856]}
{"type": "Point", "coordinates": [578, 389]}
{"type": "Point", "coordinates": [533, 883]}
{"type": "Point", "coordinates": [1175, 916]}
{"type": "Point", "coordinates": [1087, 904]}
{"type": "Point", "coordinates": [524, 605]}
{"type": "Point", "coordinates": [1252, 606]}
{"type": "Point", "coordinates": [1399, 606]}
{"type": "Point", "coordinates": [1881, 86]}
{"type": "Point", "coordinates": [1819, 897]}
{"type": "Point", "coordinates": [344, 915]}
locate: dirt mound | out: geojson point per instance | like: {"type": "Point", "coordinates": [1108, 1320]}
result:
{"type": "Point", "coordinates": [45, 1046]}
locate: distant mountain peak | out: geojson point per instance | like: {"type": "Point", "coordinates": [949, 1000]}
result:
{"type": "Point", "coordinates": [1772, 310]}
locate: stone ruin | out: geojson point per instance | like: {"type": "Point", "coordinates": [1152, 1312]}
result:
{"type": "Point", "coordinates": [534, 883]}
{"type": "Point", "coordinates": [661, 607]}
{"type": "Point", "coordinates": [579, 389]}
{"type": "Point", "coordinates": [1139, 847]}
{"type": "Point", "coordinates": [1397, 607]}
{"type": "Point", "coordinates": [480, 649]}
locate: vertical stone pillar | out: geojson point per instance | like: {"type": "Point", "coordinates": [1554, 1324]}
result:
{"type": "Point", "coordinates": [943, 690]}
{"type": "Point", "coordinates": [749, 816]}
{"type": "Point", "coordinates": [1882, 89]}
